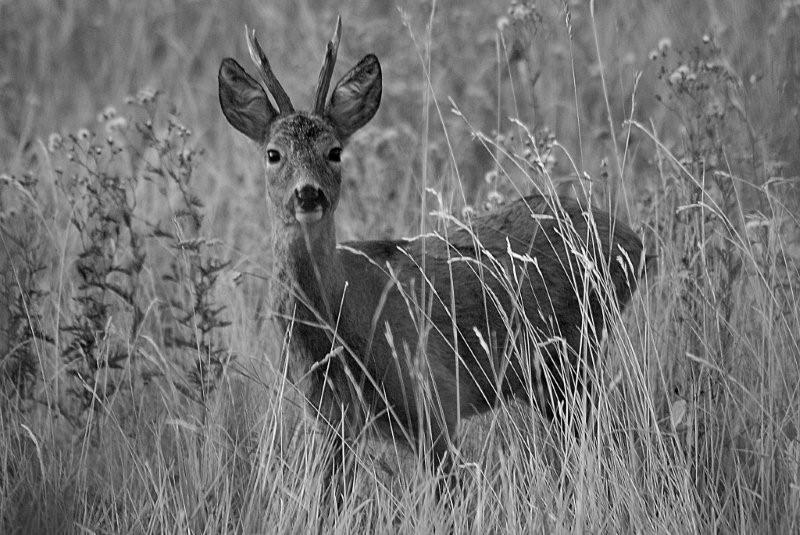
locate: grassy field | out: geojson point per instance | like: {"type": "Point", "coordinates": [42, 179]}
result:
{"type": "Point", "coordinates": [141, 384]}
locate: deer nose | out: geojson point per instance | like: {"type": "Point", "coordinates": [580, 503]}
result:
{"type": "Point", "coordinates": [307, 194]}
{"type": "Point", "coordinates": [309, 203]}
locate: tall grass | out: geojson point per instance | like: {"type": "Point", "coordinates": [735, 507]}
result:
{"type": "Point", "coordinates": [142, 385]}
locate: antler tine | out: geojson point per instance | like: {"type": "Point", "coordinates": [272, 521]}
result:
{"type": "Point", "coordinates": [273, 85]}
{"type": "Point", "coordinates": [326, 71]}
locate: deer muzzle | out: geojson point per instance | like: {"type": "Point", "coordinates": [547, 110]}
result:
{"type": "Point", "coordinates": [310, 204]}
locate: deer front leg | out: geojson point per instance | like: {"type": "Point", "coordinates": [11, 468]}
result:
{"type": "Point", "coordinates": [339, 417]}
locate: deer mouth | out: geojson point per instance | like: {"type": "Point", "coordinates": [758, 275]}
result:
{"type": "Point", "coordinates": [310, 204]}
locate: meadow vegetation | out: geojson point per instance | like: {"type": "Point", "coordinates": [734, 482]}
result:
{"type": "Point", "coordinates": [141, 380]}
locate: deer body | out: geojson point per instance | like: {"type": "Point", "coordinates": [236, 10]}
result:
{"type": "Point", "coordinates": [363, 289]}
{"type": "Point", "coordinates": [415, 333]}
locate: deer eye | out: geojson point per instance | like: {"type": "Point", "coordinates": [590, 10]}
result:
{"type": "Point", "coordinates": [335, 155]}
{"type": "Point", "coordinates": [273, 156]}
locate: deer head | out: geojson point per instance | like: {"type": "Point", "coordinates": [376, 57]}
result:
{"type": "Point", "coordinates": [302, 150]}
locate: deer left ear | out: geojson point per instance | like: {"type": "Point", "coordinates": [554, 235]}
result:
{"type": "Point", "coordinates": [356, 97]}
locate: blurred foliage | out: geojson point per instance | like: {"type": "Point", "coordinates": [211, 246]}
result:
{"type": "Point", "coordinates": [63, 63]}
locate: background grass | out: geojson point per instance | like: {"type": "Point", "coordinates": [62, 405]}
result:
{"type": "Point", "coordinates": [688, 110]}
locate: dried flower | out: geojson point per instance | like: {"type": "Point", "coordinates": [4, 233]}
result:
{"type": "Point", "coordinates": [146, 96]}
{"type": "Point", "coordinates": [495, 197]}
{"type": "Point", "coordinates": [54, 142]}
{"type": "Point", "coordinates": [681, 73]}
{"type": "Point", "coordinates": [116, 124]}
{"type": "Point", "coordinates": [108, 113]}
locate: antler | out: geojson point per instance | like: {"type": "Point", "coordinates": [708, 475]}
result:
{"type": "Point", "coordinates": [272, 83]}
{"type": "Point", "coordinates": [326, 71]}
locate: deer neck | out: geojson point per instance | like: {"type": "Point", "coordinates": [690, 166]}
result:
{"type": "Point", "coordinates": [308, 274]}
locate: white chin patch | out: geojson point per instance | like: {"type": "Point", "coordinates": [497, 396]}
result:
{"type": "Point", "coordinates": [305, 218]}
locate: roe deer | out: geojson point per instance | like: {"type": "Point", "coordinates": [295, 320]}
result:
{"type": "Point", "coordinates": [415, 333]}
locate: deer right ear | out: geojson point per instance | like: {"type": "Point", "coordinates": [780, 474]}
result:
{"type": "Point", "coordinates": [356, 97]}
{"type": "Point", "coordinates": [243, 101]}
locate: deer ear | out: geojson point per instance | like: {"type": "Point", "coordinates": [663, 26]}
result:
{"type": "Point", "coordinates": [356, 97]}
{"type": "Point", "coordinates": [243, 101]}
